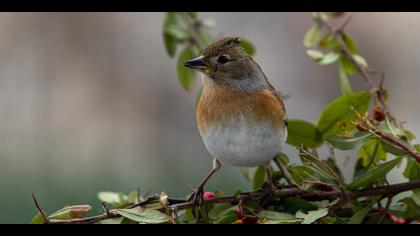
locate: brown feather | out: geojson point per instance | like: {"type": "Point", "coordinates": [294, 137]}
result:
{"type": "Point", "coordinates": [219, 105]}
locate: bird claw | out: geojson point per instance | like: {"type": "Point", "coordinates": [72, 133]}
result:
{"type": "Point", "coordinates": [268, 191]}
{"type": "Point", "coordinates": [197, 198]}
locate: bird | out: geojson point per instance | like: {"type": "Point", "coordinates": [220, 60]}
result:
{"type": "Point", "coordinates": [240, 116]}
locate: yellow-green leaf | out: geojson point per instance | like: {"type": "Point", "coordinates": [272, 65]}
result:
{"type": "Point", "coordinates": [312, 216]}
{"type": "Point", "coordinates": [312, 37]}
{"type": "Point", "coordinates": [349, 143]}
{"type": "Point", "coordinates": [186, 76]}
{"type": "Point", "coordinates": [360, 60]}
{"type": "Point", "coordinates": [144, 216]}
{"type": "Point", "coordinates": [349, 42]}
{"type": "Point", "coordinates": [359, 216]}
{"type": "Point", "coordinates": [168, 39]}
{"type": "Point", "coordinates": [315, 54]}
{"type": "Point", "coordinates": [247, 46]}
{"type": "Point", "coordinates": [338, 116]}
{"type": "Point", "coordinates": [329, 58]}
{"type": "Point", "coordinates": [301, 132]}
{"type": "Point", "coordinates": [71, 212]}
{"type": "Point", "coordinates": [373, 175]}
{"type": "Point", "coordinates": [259, 178]}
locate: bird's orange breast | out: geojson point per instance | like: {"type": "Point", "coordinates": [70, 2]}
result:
{"type": "Point", "coordinates": [218, 105]}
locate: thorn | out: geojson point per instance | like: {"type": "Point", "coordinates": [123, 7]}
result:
{"type": "Point", "coordinates": [138, 195]}
{"type": "Point", "coordinates": [108, 213]}
{"type": "Point", "coordinates": [191, 188]}
{"type": "Point", "coordinates": [44, 216]}
{"type": "Point", "coordinates": [345, 23]}
{"type": "Point", "coordinates": [144, 196]}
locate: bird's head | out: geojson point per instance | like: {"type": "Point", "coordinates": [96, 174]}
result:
{"type": "Point", "coordinates": [227, 64]}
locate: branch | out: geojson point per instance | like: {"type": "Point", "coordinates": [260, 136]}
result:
{"type": "Point", "coordinates": [40, 211]}
{"type": "Point", "coordinates": [378, 89]}
{"type": "Point", "coordinates": [281, 193]}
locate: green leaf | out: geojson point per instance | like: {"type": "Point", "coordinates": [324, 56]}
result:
{"type": "Point", "coordinates": [374, 174]}
{"type": "Point", "coordinates": [276, 216]}
{"type": "Point", "coordinates": [294, 204]}
{"type": "Point", "coordinates": [219, 210]}
{"type": "Point", "coordinates": [283, 158]}
{"type": "Point", "coordinates": [389, 148]}
{"type": "Point", "coordinates": [302, 132]}
{"type": "Point", "coordinates": [301, 173]}
{"type": "Point", "coordinates": [372, 153]}
{"type": "Point", "coordinates": [329, 58]}
{"type": "Point", "coordinates": [177, 32]}
{"type": "Point", "coordinates": [347, 66]}
{"type": "Point", "coordinates": [344, 82]}
{"type": "Point", "coordinates": [193, 15]}
{"type": "Point", "coordinates": [315, 54]}
{"type": "Point", "coordinates": [112, 221]}
{"type": "Point", "coordinates": [323, 169]}
{"type": "Point", "coordinates": [312, 216]}
{"type": "Point", "coordinates": [359, 216]}
{"type": "Point", "coordinates": [331, 163]}
{"type": "Point", "coordinates": [247, 172]}
{"type": "Point", "coordinates": [330, 41]}
{"type": "Point", "coordinates": [147, 216]}
{"type": "Point", "coordinates": [413, 208]}
{"type": "Point", "coordinates": [337, 117]}
{"type": "Point", "coordinates": [209, 23]}
{"type": "Point", "coordinates": [349, 143]}
{"type": "Point", "coordinates": [349, 42]}
{"type": "Point", "coordinates": [312, 37]}
{"type": "Point", "coordinates": [186, 76]}
{"type": "Point", "coordinates": [71, 212]}
{"type": "Point", "coordinates": [168, 39]}
{"type": "Point", "coordinates": [110, 197]}
{"type": "Point", "coordinates": [412, 171]}
{"type": "Point", "coordinates": [227, 218]}
{"type": "Point", "coordinates": [247, 46]}
{"type": "Point", "coordinates": [259, 178]}
{"type": "Point", "coordinates": [205, 37]}
{"type": "Point", "coordinates": [360, 60]}
{"type": "Point", "coordinates": [38, 219]}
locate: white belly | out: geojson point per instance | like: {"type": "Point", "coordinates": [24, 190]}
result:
{"type": "Point", "coordinates": [240, 143]}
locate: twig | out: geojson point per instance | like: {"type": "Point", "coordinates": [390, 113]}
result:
{"type": "Point", "coordinates": [194, 26]}
{"type": "Point", "coordinates": [44, 216]}
{"type": "Point", "coordinates": [107, 212]}
{"type": "Point", "coordinates": [393, 141]}
{"type": "Point", "coordinates": [385, 211]}
{"type": "Point", "coordinates": [281, 193]}
{"type": "Point", "coordinates": [284, 171]}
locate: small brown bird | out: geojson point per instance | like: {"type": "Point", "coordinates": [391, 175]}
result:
{"type": "Point", "coordinates": [240, 116]}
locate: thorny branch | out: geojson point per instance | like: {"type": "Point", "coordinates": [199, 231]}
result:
{"type": "Point", "coordinates": [178, 204]}
{"type": "Point", "coordinates": [377, 89]}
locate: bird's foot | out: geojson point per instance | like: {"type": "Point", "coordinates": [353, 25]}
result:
{"type": "Point", "coordinates": [197, 198]}
{"type": "Point", "coordinates": [268, 195]}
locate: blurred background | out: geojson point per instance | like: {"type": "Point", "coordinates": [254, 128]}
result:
{"type": "Point", "coordinates": [91, 102]}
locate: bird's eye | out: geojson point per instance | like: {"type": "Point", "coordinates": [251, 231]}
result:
{"type": "Point", "coordinates": [222, 59]}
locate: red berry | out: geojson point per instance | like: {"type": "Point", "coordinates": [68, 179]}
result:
{"type": "Point", "coordinates": [209, 195]}
{"type": "Point", "coordinates": [378, 113]}
{"type": "Point", "coordinates": [396, 219]}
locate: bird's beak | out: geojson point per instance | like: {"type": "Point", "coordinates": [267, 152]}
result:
{"type": "Point", "coordinates": [197, 63]}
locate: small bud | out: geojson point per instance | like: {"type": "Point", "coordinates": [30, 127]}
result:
{"type": "Point", "coordinates": [209, 195]}
{"type": "Point", "coordinates": [240, 212]}
{"type": "Point", "coordinates": [163, 199]}
{"type": "Point", "coordinates": [378, 113]}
